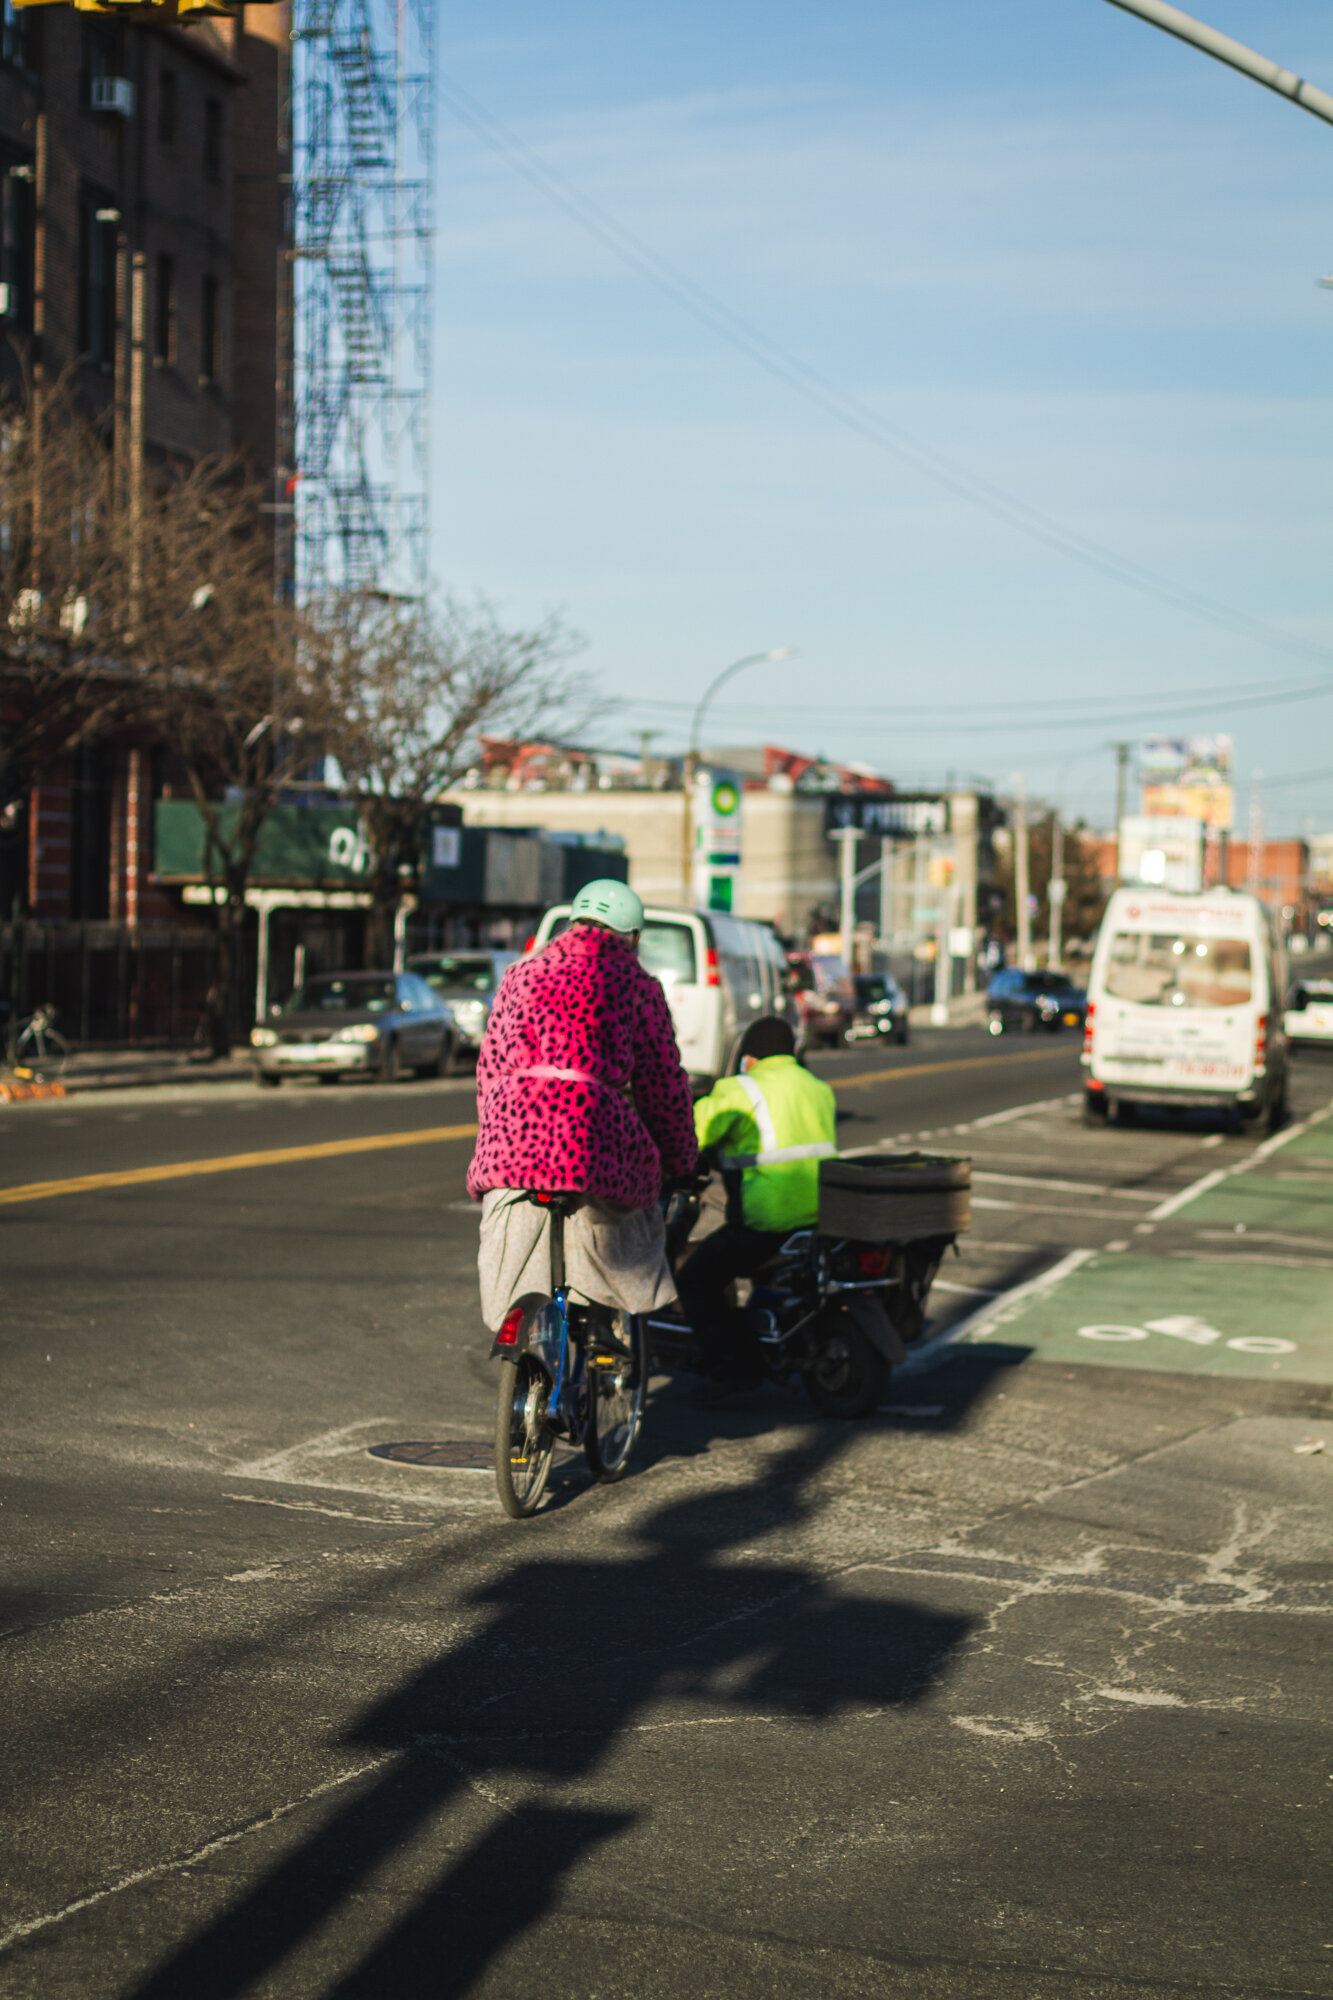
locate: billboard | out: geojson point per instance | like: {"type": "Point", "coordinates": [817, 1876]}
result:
{"type": "Point", "coordinates": [1166, 853]}
{"type": "Point", "coordinates": [876, 813]}
{"type": "Point", "coordinates": [1187, 777]}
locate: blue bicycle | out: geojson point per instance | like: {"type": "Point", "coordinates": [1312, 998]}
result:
{"type": "Point", "coordinates": [571, 1373]}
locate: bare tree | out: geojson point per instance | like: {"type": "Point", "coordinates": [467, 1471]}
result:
{"type": "Point", "coordinates": [409, 688]}
{"type": "Point", "coordinates": [220, 670]}
{"type": "Point", "coordinates": [61, 563]}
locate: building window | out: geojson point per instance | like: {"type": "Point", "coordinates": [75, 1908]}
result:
{"type": "Point", "coordinates": [16, 240]}
{"type": "Point", "coordinates": [164, 311]}
{"type": "Point", "coordinates": [166, 108]}
{"type": "Point", "coordinates": [213, 139]}
{"type": "Point", "coordinates": [102, 46]}
{"type": "Point", "coordinates": [208, 332]}
{"type": "Point", "coordinates": [97, 282]}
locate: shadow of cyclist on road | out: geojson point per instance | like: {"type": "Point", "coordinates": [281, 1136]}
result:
{"type": "Point", "coordinates": [578, 1653]}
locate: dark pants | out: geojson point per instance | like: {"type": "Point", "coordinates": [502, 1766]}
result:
{"type": "Point", "coordinates": [730, 1252]}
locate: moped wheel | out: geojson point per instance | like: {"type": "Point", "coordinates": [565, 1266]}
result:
{"type": "Point", "coordinates": [524, 1442]}
{"type": "Point", "coordinates": [617, 1388]}
{"type": "Point", "coordinates": [848, 1375]}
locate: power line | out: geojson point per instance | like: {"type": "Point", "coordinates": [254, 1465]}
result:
{"type": "Point", "coordinates": [844, 407]}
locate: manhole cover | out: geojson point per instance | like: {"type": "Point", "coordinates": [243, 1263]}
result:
{"type": "Point", "coordinates": [460, 1453]}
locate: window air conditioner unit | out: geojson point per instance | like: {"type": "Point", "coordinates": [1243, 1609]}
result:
{"type": "Point", "coordinates": [113, 93]}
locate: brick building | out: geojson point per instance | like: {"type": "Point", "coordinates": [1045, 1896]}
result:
{"type": "Point", "coordinates": [143, 214]}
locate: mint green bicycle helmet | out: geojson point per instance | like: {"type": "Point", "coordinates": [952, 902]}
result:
{"type": "Point", "coordinates": [611, 903]}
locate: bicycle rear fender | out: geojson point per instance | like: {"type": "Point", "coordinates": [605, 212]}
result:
{"type": "Point", "coordinates": [874, 1322]}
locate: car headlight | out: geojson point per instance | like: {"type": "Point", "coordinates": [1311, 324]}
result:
{"type": "Point", "coordinates": [360, 1031]}
{"type": "Point", "coordinates": [262, 1038]}
{"type": "Point", "coordinates": [470, 1012]}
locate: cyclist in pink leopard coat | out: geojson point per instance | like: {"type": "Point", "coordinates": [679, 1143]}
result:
{"type": "Point", "coordinates": [579, 1083]}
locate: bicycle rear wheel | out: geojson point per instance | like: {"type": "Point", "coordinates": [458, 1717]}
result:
{"type": "Point", "coordinates": [524, 1440]}
{"type": "Point", "coordinates": [617, 1388]}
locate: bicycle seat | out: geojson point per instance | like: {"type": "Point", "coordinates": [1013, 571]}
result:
{"type": "Point", "coordinates": [554, 1204]}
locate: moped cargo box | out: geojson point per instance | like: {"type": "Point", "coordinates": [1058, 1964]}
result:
{"type": "Point", "coordinates": [894, 1197]}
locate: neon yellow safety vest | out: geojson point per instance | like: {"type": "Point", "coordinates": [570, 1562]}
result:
{"type": "Point", "coordinates": [775, 1123]}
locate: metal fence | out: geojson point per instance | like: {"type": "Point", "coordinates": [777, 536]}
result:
{"type": "Point", "coordinates": [111, 983]}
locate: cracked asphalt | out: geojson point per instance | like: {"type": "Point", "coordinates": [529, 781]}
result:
{"type": "Point", "coordinates": [1020, 1689]}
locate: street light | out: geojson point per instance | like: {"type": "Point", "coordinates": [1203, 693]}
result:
{"type": "Point", "coordinates": [692, 754]}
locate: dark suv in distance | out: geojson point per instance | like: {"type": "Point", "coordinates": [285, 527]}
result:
{"type": "Point", "coordinates": [881, 1009]}
{"type": "Point", "coordinates": [1032, 1000]}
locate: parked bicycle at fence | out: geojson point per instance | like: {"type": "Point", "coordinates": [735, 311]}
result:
{"type": "Point", "coordinates": [569, 1373]}
{"type": "Point", "coordinates": [39, 1047]}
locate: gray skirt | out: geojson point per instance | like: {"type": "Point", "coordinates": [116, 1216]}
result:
{"type": "Point", "coordinates": [613, 1256]}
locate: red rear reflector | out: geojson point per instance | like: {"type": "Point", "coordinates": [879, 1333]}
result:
{"type": "Point", "coordinates": [712, 977]}
{"type": "Point", "coordinates": [1087, 1030]}
{"type": "Point", "coordinates": [508, 1334]}
{"type": "Point", "coordinates": [1261, 1040]}
{"type": "Point", "coordinates": [874, 1263]}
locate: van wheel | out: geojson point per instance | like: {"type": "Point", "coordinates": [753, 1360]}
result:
{"type": "Point", "coordinates": [1094, 1107]}
{"type": "Point", "coordinates": [1278, 1111]}
{"type": "Point", "coordinates": [1121, 1113]}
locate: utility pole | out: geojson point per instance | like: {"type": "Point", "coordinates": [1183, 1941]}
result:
{"type": "Point", "coordinates": [846, 838]}
{"type": "Point", "coordinates": [1056, 892]}
{"type": "Point", "coordinates": [1122, 751]}
{"type": "Point", "coordinates": [1254, 859]}
{"type": "Point", "coordinates": [886, 894]}
{"type": "Point", "coordinates": [1022, 915]}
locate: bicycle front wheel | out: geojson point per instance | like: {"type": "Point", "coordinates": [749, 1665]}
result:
{"type": "Point", "coordinates": [524, 1441]}
{"type": "Point", "coordinates": [617, 1388]}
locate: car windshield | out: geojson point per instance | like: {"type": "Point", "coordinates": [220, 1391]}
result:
{"type": "Point", "coordinates": [872, 986]}
{"type": "Point", "coordinates": [343, 996]}
{"type": "Point", "coordinates": [1178, 969]}
{"type": "Point", "coordinates": [1050, 982]}
{"type": "Point", "coordinates": [459, 975]}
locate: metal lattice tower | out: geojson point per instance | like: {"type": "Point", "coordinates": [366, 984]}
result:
{"type": "Point", "coordinates": [362, 112]}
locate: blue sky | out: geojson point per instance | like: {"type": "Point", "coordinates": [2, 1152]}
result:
{"type": "Point", "coordinates": [1048, 243]}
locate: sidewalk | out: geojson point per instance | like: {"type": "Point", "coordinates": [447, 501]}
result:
{"type": "Point", "coordinates": [127, 1069]}
{"type": "Point", "coordinates": [1237, 1279]}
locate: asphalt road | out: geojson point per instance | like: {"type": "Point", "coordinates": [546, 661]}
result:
{"type": "Point", "coordinates": [1020, 1689]}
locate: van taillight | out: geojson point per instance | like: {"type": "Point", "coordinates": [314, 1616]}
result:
{"type": "Point", "coordinates": [712, 977]}
{"type": "Point", "coordinates": [1087, 1027]}
{"type": "Point", "coordinates": [1261, 1042]}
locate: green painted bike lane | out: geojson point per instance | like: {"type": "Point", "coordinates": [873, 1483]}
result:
{"type": "Point", "coordinates": [1182, 1311]}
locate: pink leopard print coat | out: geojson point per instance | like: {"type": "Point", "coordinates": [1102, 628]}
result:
{"type": "Point", "coordinates": [582, 1004]}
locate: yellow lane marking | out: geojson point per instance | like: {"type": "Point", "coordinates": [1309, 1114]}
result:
{"type": "Point", "coordinates": [229, 1163]}
{"type": "Point", "coordinates": [936, 1069]}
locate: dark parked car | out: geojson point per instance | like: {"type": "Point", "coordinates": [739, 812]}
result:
{"type": "Point", "coordinates": [356, 1024]}
{"type": "Point", "coordinates": [468, 982]}
{"type": "Point", "coordinates": [1032, 1000]}
{"type": "Point", "coordinates": [824, 995]}
{"type": "Point", "coordinates": [881, 1009]}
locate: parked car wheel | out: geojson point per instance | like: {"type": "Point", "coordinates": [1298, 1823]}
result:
{"type": "Point", "coordinates": [389, 1063]}
{"type": "Point", "coordinates": [267, 1079]}
{"type": "Point", "coordinates": [903, 1036]}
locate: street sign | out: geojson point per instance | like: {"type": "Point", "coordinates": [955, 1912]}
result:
{"type": "Point", "coordinates": [868, 812]}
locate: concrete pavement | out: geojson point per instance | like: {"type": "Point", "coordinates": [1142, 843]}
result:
{"type": "Point", "coordinates": [1020, 1689]}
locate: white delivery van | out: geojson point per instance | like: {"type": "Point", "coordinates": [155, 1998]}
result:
{"type": "Point", "coordinates": [720, 973]}
{"type": "Point", "coordinates": [1185, 1006]}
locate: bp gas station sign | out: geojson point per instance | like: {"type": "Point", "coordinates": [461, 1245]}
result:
{"type": "Point", "coordinates": [717, 839]}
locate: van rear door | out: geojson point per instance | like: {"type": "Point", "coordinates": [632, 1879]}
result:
{"type": "Point", "coordinates": [1179, 991]}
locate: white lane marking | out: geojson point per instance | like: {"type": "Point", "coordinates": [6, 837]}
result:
{"type": "Point", "coordinates": [981, 1291]}
{"type": "Point", "coordinates": [1117, 1245]}
{"type": "Point", "coordinates": [1021, 1207]}
{"type": "Point", "coordinates": [1020, 1111]}
{"type": "Point", "coordinates": [1210, 1181]}
{"type": "Point", "coordinates": [976, 1324]}
{"type": "Point", "coordinates": [1062, 1187]}
{"type": "Point", "coordinates": [329, 1444]}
